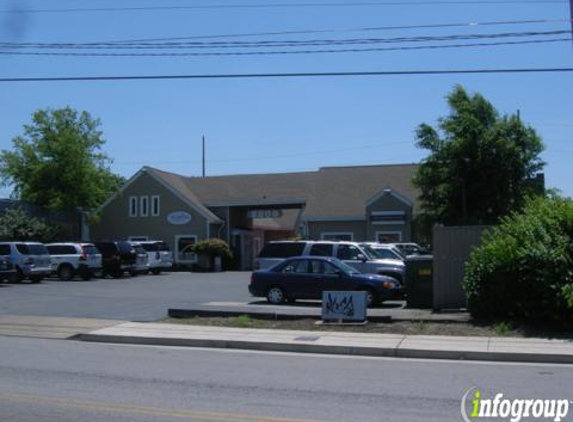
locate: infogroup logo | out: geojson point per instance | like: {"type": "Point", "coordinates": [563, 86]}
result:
{"type": "Point", "coordinates": [475, 407]}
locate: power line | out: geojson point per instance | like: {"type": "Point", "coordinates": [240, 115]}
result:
{"type": "Point", "coordinates": [291, 75]}
{"type": "Point", "coordinates": [280, 6]}
{"type": "Point", "coordinates": [282, 52]}
{"type": "Point", "coordinates": [275, 43]}
{"type": "Point", "coordinates": [362, 29]}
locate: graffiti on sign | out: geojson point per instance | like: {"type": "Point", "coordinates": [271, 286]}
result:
{"type": "Point", "coordinates": [344, 306]}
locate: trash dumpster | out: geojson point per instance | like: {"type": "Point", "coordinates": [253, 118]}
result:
{"type": "Point", "coordinates": [420, 281]}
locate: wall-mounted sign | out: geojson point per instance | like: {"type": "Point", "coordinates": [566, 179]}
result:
{"type": "Point", "coordinates": [265, 213]}
{"type": "Point", "coordinates": [344, 306]}
{"type": "Point", "coordinates": [178, 218]}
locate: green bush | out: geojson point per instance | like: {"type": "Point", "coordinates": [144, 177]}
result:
{"type": "Point", "coordinates": [212, 248]}
{"type": "Point", "coordinates": [523, 271]}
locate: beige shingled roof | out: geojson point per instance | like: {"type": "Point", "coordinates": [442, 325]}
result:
{"type": "Point", "coordinates": [343, 191]}
{"type": "Point", "coordinates": [330, 192]}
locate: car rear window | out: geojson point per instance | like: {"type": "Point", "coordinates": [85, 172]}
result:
{"type": "Point", "coordinates": [32, 249]}
{"type": "Point", "coordinates": [61, 250]}
{"type": "Point", "coordinates": [150, 247]}
{"type": "Point", "coordinates": [139, 249]}
{"type": "Point", "coordinates": [4, 249]}
{"type": "Point", "coordinates": [321, 249]}
{"type": "Point", "coordinates": [90, 250]}
{"type": "Point", "coordinates": [282, 250]}
{"type": "Point", "coordinates": [124, 247]}
{"type": "Point", "coordinates": [106, 248]}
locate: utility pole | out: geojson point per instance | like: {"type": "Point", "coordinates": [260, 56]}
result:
{"type": "Point", "coordinates": [204, 152]}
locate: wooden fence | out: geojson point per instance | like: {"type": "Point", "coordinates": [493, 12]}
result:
{"type": "Point", "coordinates": [452, 248]}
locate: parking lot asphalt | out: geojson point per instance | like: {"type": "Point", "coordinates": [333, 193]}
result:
{"type": "Point", "coordinates": [142, 298]}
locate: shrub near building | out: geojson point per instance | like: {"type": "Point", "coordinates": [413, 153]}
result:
{"type": "Point", "coordinates": [523, 270]}
{"type": "Point", "coordinates": [208, 249]}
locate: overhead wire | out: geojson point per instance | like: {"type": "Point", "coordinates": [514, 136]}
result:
{"type": "Point", "coordinates": [275, 43]}
{"type": "Point", "coordinates": [283, 52]}
{"type": "Point", "coordinates": [421, 72]}
{"type": "Point", "coordinates": [403, 3]}
{"type": "Point", "coordinates": [357, 29]}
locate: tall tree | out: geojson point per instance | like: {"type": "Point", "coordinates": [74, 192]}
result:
{"type": "Point", "coordinates": [57, 163]}
{"type": "Point", "coordinates": [480, 164]}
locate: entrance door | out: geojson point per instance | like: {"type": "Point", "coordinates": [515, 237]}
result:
{"type": "Point", "coordinates": [243, 244]}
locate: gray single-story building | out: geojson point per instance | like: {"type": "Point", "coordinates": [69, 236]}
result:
{"type": "Point", "coordinates": [359, 203]}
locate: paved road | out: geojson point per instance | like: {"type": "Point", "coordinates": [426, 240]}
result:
{"type": "Point", "coordinates": [141, 298]}
{"type": "Point", "coordinates": [63, 380]}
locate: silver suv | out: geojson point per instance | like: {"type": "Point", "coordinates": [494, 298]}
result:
{"type": "Point", "coordinates": [351, 253]}
{"type": "Point", "coordinates": [159, 255]}
{"type": "Point", "coordinates": [71, 259]}
{"type": "Point", "coordinates": [31, 259]}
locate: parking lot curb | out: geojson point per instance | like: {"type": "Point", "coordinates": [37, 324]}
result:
{"type": "Point", "coordinates": [290, 314]}
{"type": "Point", "coordinates": [350, 350]}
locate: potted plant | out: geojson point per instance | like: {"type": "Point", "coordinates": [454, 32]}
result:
{"type": "Point", "coordinates": [212, 253]}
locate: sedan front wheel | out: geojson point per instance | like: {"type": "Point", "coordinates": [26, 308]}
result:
{"type": "Point", "coordinates": [276, 295]}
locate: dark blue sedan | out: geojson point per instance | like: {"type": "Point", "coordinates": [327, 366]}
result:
{"type": "Point", "coordinates": [308, 277]}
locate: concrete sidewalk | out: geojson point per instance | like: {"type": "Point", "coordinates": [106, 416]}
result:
{"type": "Point", "coordinates": [50, 327]}
{"type": "Point", "coordinates": [392, 345]}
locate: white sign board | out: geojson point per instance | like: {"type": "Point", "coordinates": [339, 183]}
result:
{"type": "Point", "coordinates": [344, 306]}
{"type": "Point", "coordinates": [179, 218]}
{"type": "Point", "coordinates": [265, 213]}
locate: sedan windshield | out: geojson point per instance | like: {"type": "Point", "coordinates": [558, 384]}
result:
{"type": "Point", "coordinates": [347, 268]}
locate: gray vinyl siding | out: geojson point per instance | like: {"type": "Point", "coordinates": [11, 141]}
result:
{"type": "Point", "coordinates": [389, 203]}
{"type": "Point", "coordinates": [315, 229]}
{"type": "Point", "coordinates": [114, 221]}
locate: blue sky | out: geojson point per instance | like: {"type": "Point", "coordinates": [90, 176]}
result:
{"type": "Point", "coordinates": [284, 125]}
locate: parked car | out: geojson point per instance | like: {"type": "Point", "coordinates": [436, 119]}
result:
{"type": "Point", "coordinates": [410, 248]}
{"type": "Point", "coordinates": [307, 277]}
{"type": "Point", "coordinates": [7, 270]}
{"type": "Point", "coordinates": [383, 250]}
{"type": "Point", "coordinates": [71, 259]}
{"type": "Point", "coordinates": [118, 256]}
{"type": "Point", "coordinates": [30, 259]}
{"type": "Point", "coordinates": [159, 255]}
{"type": "Point", "coordinates": [350, 253]}
{"type": "Point", "coordinates": [141, 265]}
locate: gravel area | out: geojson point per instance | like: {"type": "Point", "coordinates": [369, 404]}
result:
{"type": "Point", "coordinates": [402, 327]}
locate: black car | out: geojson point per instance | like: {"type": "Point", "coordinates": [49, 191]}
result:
{"type": "Point", "coordinates": [308, 277]}
{"type": "Point", "coordinates": [117, 257]}
{"type": "Point", "coordinates": [7, 270]}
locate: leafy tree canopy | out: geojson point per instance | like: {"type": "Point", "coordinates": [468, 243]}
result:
{"type": "Point", "coordinates": [57, 163]}
{"type": "Point", "coordinates": [17, 224]}
{"type": "Point", "coordinates": [480, 164]}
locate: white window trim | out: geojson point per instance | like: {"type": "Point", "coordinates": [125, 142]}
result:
{"type": "Point", "coordinates": [399, 233]}
{"type": "Point", "coordinates": [145, 208]}
{"type": "Point", "coordinates": [176, 250]}
{"type": "Point", "coordinates": [153, 199]}
{"type": "Point", "coordinates": [323, 234]}
{"type": "Point", "coordinates": [133, 210]}
{"type": "Point", "coordinates": [138, 238]}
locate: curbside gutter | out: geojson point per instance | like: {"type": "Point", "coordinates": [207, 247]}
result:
{"type": "Point", "coordinates": [420, 347]}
